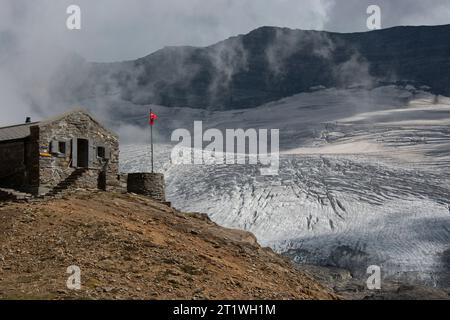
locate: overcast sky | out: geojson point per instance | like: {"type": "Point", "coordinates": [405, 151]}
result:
{"type": "Point", "coordinates": [34, 39]}
{"type": "Point", "coordinates": [127, 29]}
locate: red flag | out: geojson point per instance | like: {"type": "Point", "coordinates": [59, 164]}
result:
{"type": "Point", "coordinates": [153, 117]}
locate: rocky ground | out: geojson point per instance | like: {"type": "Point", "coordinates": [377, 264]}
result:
{"type": "Point", "coordinates": [350, 287]}
{"type": "Point", "coordinates": [130, 247]}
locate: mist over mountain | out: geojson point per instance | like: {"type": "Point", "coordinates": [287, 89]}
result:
{"type": "Point", "coordinates": [264, 65]}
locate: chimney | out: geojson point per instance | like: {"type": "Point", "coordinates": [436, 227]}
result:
{"type": "Point", "coordinates": [28, 120]}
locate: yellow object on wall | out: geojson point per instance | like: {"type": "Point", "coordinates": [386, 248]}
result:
{"type": "Point", "coordinates": [45, 154]}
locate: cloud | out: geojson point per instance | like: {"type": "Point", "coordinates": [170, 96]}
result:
{"type": "Point", "coordinates": [286, 43]}
{"type": "Point", "coordinates": [35, 43]}
{"type": "Point", "coordinates": [117, 29]}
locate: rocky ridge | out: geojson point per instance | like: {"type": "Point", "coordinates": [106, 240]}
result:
{"type": "Point", "coordinates": [131, 247]}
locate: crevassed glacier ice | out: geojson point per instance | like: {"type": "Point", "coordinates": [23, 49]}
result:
{"type": "Point", "coordinates": [364, 179]}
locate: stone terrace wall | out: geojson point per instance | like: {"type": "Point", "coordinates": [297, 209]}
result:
{"type": "Point", "coordinates": [147, 184]}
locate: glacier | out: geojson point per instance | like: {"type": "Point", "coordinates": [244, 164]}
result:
{"type": "Point", "coordinates": [363, 179]}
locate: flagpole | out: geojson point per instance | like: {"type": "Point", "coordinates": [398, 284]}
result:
{"type": "Point", "coordinates": [151, 138]}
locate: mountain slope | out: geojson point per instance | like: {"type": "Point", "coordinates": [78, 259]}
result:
{"type": "Point", "coordinates": [267, 64]}
{"type": "Point", "coordinates": [130, 247]}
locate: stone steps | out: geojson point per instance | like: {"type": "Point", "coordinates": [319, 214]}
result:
{"type": "Point", "coordinates": [67, 183]}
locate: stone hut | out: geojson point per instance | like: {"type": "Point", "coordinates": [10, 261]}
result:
{"type": "Point", "coordinates": [72, 150]}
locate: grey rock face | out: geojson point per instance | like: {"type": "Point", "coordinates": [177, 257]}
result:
{"type": "Point", "coordinates": [267, 64]}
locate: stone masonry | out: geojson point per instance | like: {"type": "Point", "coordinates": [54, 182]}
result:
{"type": "Point", "coordinates": [147, 184]}
{"type": "Point", "coordinates": [67, 152]}
{"type": "Point", "coordinates": [71, 150]}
